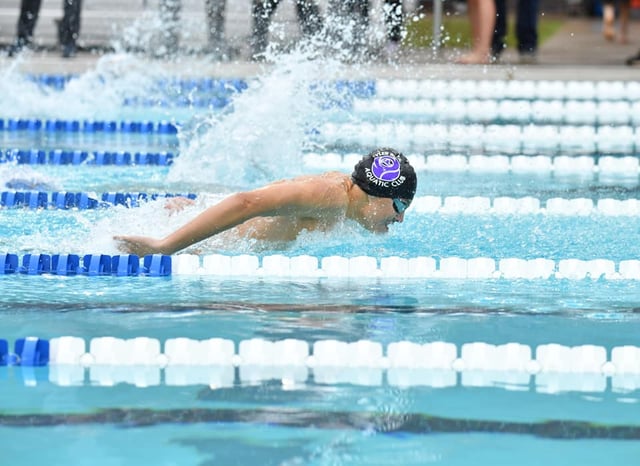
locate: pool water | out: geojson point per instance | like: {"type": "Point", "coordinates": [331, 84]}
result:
{"type": "Point", "coordinates": [344, 412]}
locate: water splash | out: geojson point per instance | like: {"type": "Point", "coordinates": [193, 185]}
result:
{"type": "Point", "coordinates": [98, 93]}
{"type": "Point", "coordinates": [262, 137]}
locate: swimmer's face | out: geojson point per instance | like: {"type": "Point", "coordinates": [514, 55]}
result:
{"type": "Point", "coordinates": [381, 212]}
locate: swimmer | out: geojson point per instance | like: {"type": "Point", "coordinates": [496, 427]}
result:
{"type": "Point", "coordinates": [376, 195]}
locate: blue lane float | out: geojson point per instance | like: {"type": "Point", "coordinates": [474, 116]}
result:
{"type": "Point", "coordinates": [126, 265]}
{"type": "Point", "coordinates": [157, 265]}
{"type": "Point", "coordinates": [29, 351]}
{"type": "Point", "coordinates": [65, 264]}
{"type": "Point", "coordinates": [8, 263]}
{"type": "Point", "coordinates": [78, 157]}
{"type": "Point", "coordinates": [35, 264]}
{"type": "Point", "coordinates": [92, 265]}
{"type": "Point", "coordinates": [82, 200]}
{"type": "Point", "coordinates": [32, 351]}
{"type": "Point", "coordinates": [4, 352]}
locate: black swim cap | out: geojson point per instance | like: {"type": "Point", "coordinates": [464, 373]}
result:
{"type": "Point", "coordinates": [386, 172]}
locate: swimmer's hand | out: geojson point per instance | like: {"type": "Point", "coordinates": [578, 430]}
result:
{"type": "Point", "coordinates": [139, 245]}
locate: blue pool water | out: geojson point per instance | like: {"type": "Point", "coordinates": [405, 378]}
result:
{"type": "Point", "coordinates": [346, 412]}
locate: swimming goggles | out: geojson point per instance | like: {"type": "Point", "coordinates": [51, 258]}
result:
{"type": "Point", "coordinates": [399, 205]}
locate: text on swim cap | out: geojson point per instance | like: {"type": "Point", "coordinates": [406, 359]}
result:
{"type": "Point", "coordinates": [385, 184]}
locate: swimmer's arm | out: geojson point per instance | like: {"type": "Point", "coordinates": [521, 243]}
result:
{"type": "Point", "coordinates": [295, 199]}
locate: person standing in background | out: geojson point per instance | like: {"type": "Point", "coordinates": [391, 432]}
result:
{"type": "Point", "coordinates": [526, 30]}
{"type": "Point", "coordinates": [68, 27]}
{"type": "Point", "coordinates": [262, 10]}
{"type": "Point", "coordinates": [214, 11]}
{"type": "Point", "coordinates": [482, 17]}
{"type": "Point", "coordinates": [393, 20]}
{"type": "Point", "coordinates": [609, 20]}
{"type": "Point", "coordinates": [350, 26]}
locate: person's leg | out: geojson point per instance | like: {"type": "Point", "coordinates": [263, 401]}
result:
{"type": "Point", "coordinates": [625, 10]}
{"type": "Point", "coordinates": [261, 12]}
{"type": "Point", "coordinates": [393, 19]}
{"type": "Point", "coordinates": [347, 27]}
{"type": "Point", "coordinates": [170, 18]}
{"type": "Point", "coordinates": [500, 29]}
{"type": "Point", "coordinates": [214, 10]}
{"type": "Point", "coordinates": [482, 15]}
{"type": "Point", "coordinates": [360, 9]}
{"type": "Point", "coordinates": [309, 17]}
{"type": "Point", "coordinates": [27, 20]}
{"type": "Point", "coordinates": [70, 26]}
{"type": "Point", "coordinates": [527, 27]}
{"type": "Point", "coordinates": [608, 19]}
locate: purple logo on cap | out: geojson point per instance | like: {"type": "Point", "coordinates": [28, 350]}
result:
{"type": "Point", "coordinates": [386, 168]}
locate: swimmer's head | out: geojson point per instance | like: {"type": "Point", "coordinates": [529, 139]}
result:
{"type": "Point", "coordinates": [387, 173]}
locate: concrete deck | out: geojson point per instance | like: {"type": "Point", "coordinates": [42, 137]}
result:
{"type": "Point", "coordinates": [577, 51]}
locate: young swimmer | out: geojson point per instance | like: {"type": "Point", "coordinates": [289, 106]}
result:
{"type": "Point", "coordinates": [376, 195]}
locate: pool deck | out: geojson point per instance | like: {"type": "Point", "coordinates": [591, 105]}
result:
{"type": "Point", "coordinates": [576, 52]}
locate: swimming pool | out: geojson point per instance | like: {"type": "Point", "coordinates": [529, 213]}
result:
{"type": "Point", "coordinates": [497, 324]}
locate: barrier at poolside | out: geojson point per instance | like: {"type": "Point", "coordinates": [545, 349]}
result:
{"type": "Point", "coordinates": [550, 368]}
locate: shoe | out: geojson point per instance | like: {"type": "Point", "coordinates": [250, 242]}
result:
{"type": "Point", "coordinates": [221, 51]}
{"type": "Point", "coordinates": [474, 58]}
{"type": "Point", "coordinates": [18, 46]}
{"type": "Point", "coordinates": [634, 60]}
{"type": "Point", "coordinates": [528, 58]}
{"type": "Point", "coordinates": [391, 50]}
{"type": "Point", "coordinates": [69, 51]}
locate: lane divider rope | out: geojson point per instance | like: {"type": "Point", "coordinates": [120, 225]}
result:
{"type": "Point", "coordinates": [310, 267]}
{"type": "Point", "coordinates": [156, 265]}
{"type": "Point", "coordinates": [202, 92]}
{"type": "Point", "coordinates": [606, 165]}
{"type": "Point", "coordinates": [511, 139]}
{"type": "Point", "coordinates": [59, 82]}
{"type": "Point", "coordinates": [428, 88]}
{"type": "Point", "coordinates": [476, 205]}
{"type": "Point", "coordinates": [305, 266]}
{"type": "Point", "coordinates": [508, 89]}
{"type": "Point", "coordinates": [79, 200]}
{"type": "Point", "coordinates": [139, 361]}
{"type": "Point", "coordinates": [480, 205]}
{"type": "Point", "coordinates": [561, 112]}
{"type": "Point", "coordinates": [79, 157]}
{"type": "Point", "coordinates": [88, 126]}
{"type": "Point", "coordinates": [603, 166]}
